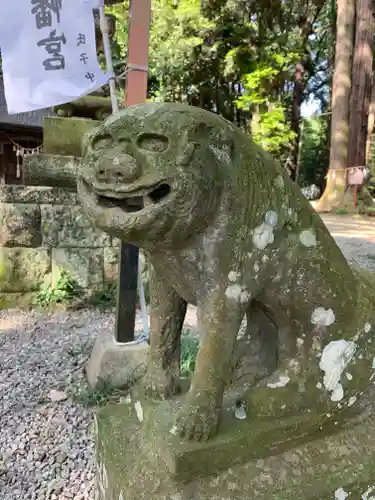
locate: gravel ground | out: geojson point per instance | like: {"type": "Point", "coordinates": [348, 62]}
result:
{"type": "Point", "coordinates": [46, 445]}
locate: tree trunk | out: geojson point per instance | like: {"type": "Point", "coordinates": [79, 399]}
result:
{"type": "Point", "coordinates": [338, 160]}
{"type": "Point", "coordinates": [371, 122]}
{"type": "Point", "coordinates": [297, 101]}
{"type": "Point", "coordinates": [361, 83]}
{"type": "Point", "coordinates": [361, 95]}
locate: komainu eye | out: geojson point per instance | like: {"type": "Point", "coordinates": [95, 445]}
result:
{"type": "Point", "coordinates": [102, 142]}
{"type": "Point", "coordinates": [152, 142]}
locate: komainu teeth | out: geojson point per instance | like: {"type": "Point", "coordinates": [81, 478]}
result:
{"type": "Point", "coordinates": [147, 201]}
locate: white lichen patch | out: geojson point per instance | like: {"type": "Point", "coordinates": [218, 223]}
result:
{"type": "Point", "coordinates": [263, 236]}
{"type": "Point", "coordinates": [319, 385]}
{"type": "Point", "coordinates": [368, 492]}
{"type": "Point", "coordinates": [281, 382]}
{"type": "Point", "coordinates": [240, 413]}
{"type": "Point", "coordinates": [245, 296]}
{"type": "Point", "coordinates": [322, 317]}
{"type": "Point", "coordinates": [279, 182]}
{"type": "Point", "coordinates": [341, 494]}
{"type": "Point", "coordinates": [237, 293]}
{"type": "Point", "coordinates": [265, 258]}
{"type": "Point", "coordinates": [233, 292]}
{"type": "Point", "coordinates": [335, 357]}
{"type": "Point", "coordinates": [300, 341]}
{"type": "Point", "coordinates": [349, 376]}
{"type": "Point", "coordinates": [352, 400]}
{"type": "Point", "coordinates": [256, 267]}
{"type": "Point", "coordinates": [307, 238]}
{"type": "Point", "coordinates": [232, 276]}
{"type": "Point", "coordinates": [367, 327]}
{"type": "Point", "coordinates": [294, 366]}
{"type": "Point", "coordinates": [174, 430]}
{"type": "Point", "coordinates": [271, 218]}
{"type": "Point", "coordinates": [138, 410]}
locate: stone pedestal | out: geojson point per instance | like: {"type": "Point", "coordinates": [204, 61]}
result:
{"type": "Point", "coordinates": [120, 365]}
{"type": "Point", "coordinates": [247, 460]}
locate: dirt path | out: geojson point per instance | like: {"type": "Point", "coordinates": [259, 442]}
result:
{"type": "Point", "coordinates": [355, 235]}
{"type": "Point", "coordinates": [345, 226]}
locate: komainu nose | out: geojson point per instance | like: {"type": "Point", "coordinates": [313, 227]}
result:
{"type": "Point", "coordinates": [118, 170]}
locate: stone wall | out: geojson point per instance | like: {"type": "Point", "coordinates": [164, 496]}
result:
{"type": "Point", "coordinates": [43, 229]}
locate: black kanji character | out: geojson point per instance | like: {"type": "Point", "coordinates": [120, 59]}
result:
{"type": "Point", "coordinates": [84, 58]}
{"type": "Point", "coordinates": [90, 76]}
{"type": "Point", "coordinates": [53, 45]}
{"type": "Point", "coordinates": [43, 9]}
{"type": "Point", "coordinates": [81, 39]}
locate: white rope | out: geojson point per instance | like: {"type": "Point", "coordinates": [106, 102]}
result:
{"type": "Point", "coordinates": [115, 108]}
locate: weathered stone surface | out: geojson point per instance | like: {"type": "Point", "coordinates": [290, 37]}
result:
{"type": "Point", "coordinates": [135, 460]}
{"type": "Point", "coordinates": [120, 365]}
{"type": "Point", "coordinates": [64, 226]}
{"type": "Point", "coordinates": [225, 228]}
{"type": "Point", "coordinates": [111, 260]}
{"type": "Point", "coordinates": [24, 269]}
{"type": "Point", "coordinates": [90, 106]}
{"type": "Point", "coordinates": [62, 136]}
{"type": "Point", "coordinates": [34, 194]}
{"type": "Point", "coordinates": [20, 225]}
{"type": "Point", "coordinates": [84, 265]}
{"type": "Point", "coordinates": [49, 170]}
{"type": "Point", "coordinates": [17, 300]}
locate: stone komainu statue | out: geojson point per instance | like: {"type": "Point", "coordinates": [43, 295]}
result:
{"type": "Point", "coordinates": [225, 228]}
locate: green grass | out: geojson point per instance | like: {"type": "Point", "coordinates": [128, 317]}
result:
{"type": "Point", "coordinates": [104, 393]}
{"type": "Point", "coordinates": [189, 351]}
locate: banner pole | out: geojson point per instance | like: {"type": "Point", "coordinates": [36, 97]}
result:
{"type": "Point", "coordinates": [130, 273]}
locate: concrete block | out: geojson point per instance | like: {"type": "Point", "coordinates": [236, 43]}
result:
{"type": "Point", "coordinates": [119, 365]}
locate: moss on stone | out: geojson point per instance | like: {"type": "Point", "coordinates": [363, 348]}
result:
{"type": "Point", "coordinates": [63, 136]}
{"type": "Point", "coordinates": [137, 459]}
{"type": "Point", "coordinates": [24, 269]}
{"type": "Point", "coordinates": [25, 300]}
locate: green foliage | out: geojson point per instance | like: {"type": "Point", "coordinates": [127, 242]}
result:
{"type": "Point", "coordinates": [314, 159]}
{"type": "Point", "coordinates": [189, 351]}
{"type": "Point", "coordinates": [63, 292]}
{"type": "Point", "coordinates": [105, 393]}
{"type": "Point", "coordinates": [270, 128]}
{"type": "Point", "coordinates": [237, 59]}
{"type": "Point", "coordinates": [105, 297]}
{"type": "Point", "coordinates": [100, 396]}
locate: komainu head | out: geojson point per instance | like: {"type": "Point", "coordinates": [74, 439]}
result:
{"type": "Point", "coordinates": [153, 174]}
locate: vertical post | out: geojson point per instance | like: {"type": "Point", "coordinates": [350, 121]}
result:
{"type": "Point", "coordinates": [136, 92]}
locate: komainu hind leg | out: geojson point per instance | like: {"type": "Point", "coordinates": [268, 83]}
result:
{"type": "Point", "coordinates": [257, 350]}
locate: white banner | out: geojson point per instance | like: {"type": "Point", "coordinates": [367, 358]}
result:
{"type": "Point", "coordinates": [48, 52]}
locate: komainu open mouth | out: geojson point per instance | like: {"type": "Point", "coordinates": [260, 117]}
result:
{"type": "Point", "coordinates": [134, 203]}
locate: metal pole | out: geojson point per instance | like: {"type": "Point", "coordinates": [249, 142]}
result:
{"type": "Point", "coordinates": [128, 259]}
{"type": "Point", "coordinates": [108, 58]}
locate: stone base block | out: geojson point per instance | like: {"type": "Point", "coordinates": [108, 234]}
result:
{"type": "Point", "coordinates": [119, 365]}
{"type": "Point", "coordinates": [142, 460]}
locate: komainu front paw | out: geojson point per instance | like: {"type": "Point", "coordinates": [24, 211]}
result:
{"type": "Point", "coordinates": [198, 421]}
{"type": "Point", "coordinates": [159, 384]}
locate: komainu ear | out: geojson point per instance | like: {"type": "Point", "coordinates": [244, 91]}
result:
{"type": "Point", "coordinates": [205, 135]}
